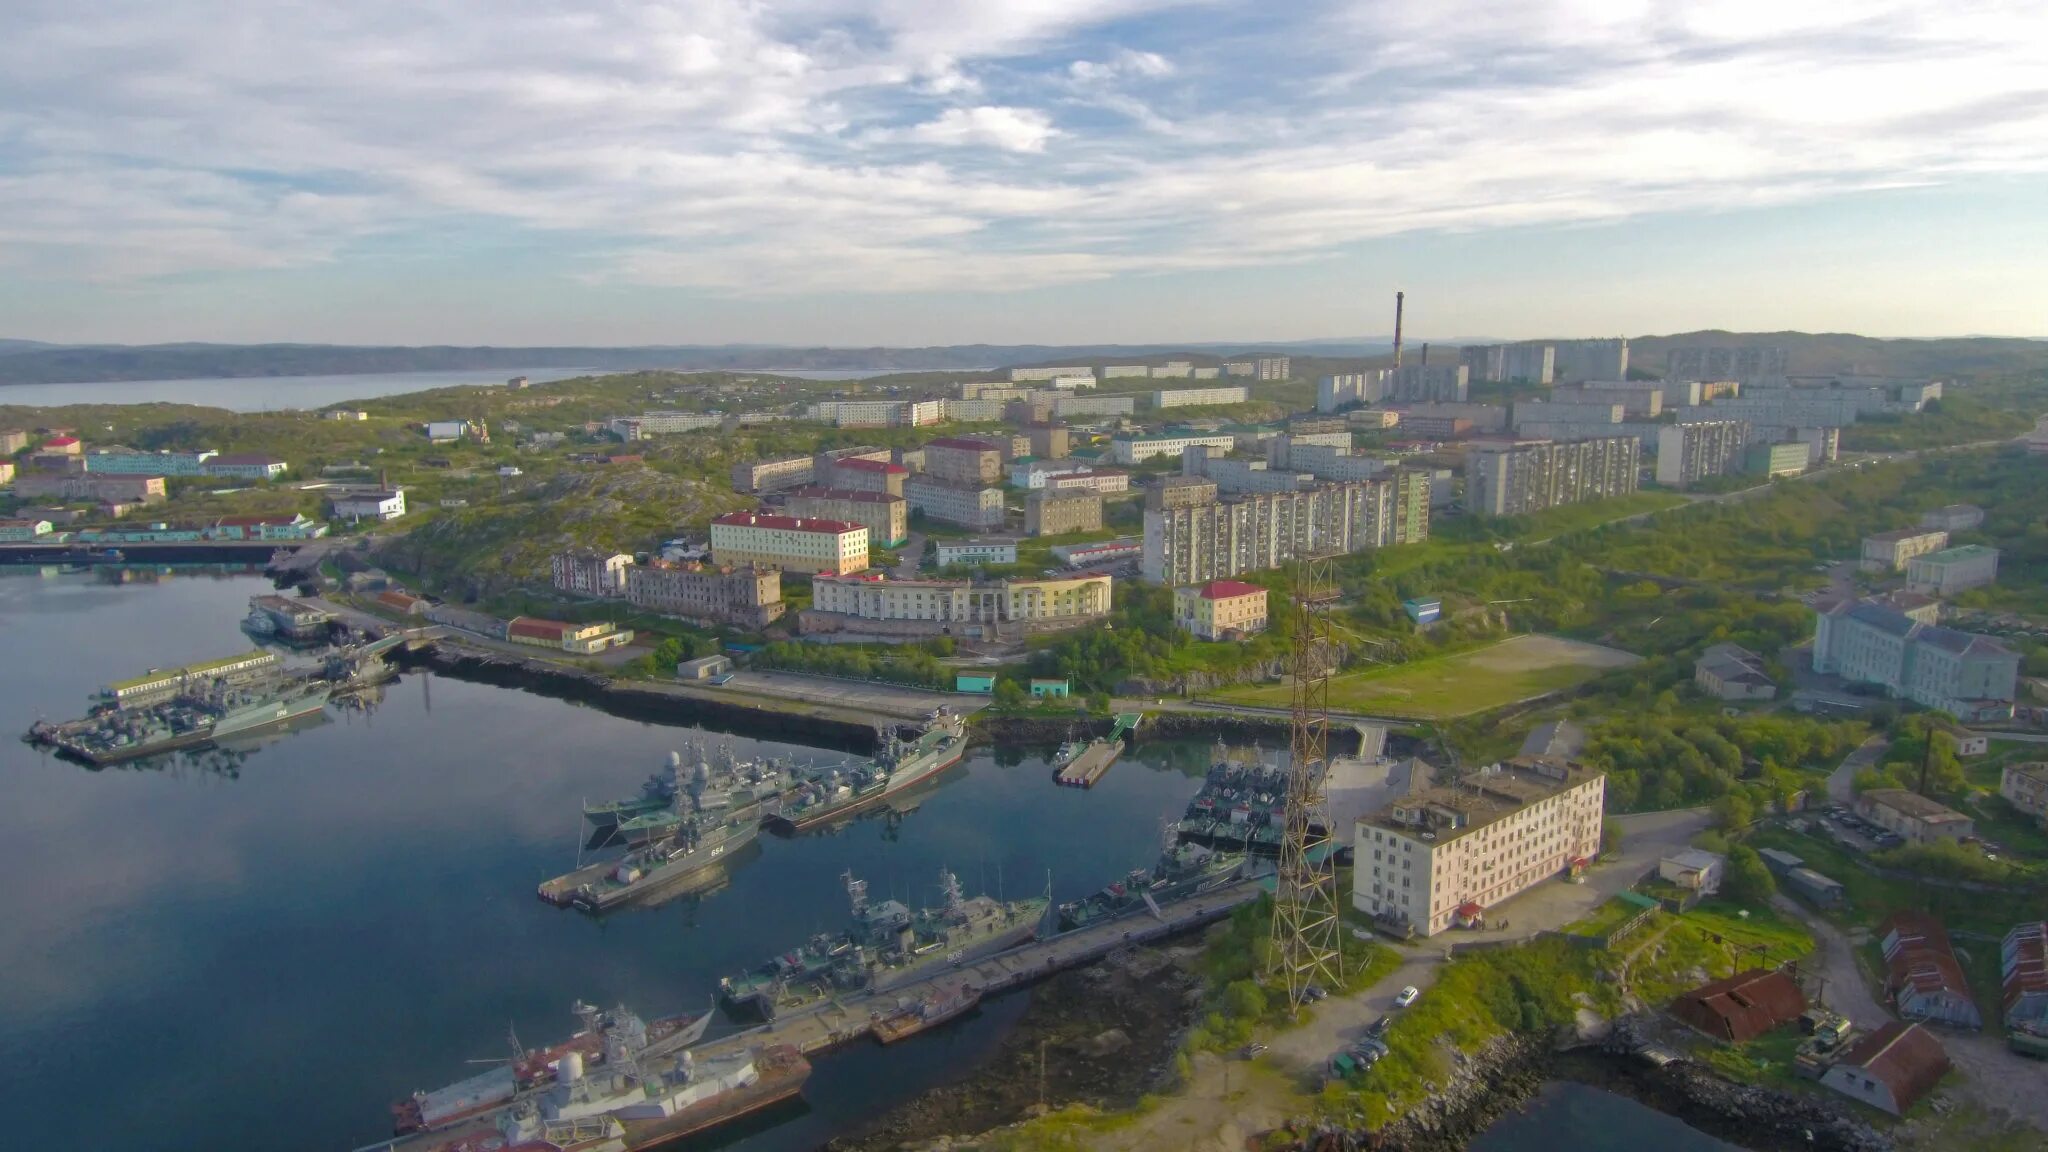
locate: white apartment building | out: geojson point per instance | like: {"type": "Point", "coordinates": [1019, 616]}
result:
{"type": "Point", "coordinates": [1968, 676]}
{"type": "Point", "coordinates": [1443, 855]}
{"type": "Point", "coordinates": [1241, 368]}
{"type": "Point", "coordinates": [1690, 452]}
{"type": "Point", "coordinates": [1889, 551]}
{"type": "Point", "coordinates": [1216, 539]}
{"type": "Point", "coordinates": [1581, 360]}
{"type": "Point", "coordinates": [1643, 401]}
{"type": "Point", "coordinates": [951, 552]}
{"type": "Point", "coordinates": [1192, 397]}
{"type": "Point", "coordinates": [1953, 517]}
{"type": "Point", "coordinates": [1118, 371]}
{"type": "Point", "coordinates": [875, 598]}
{"type": "Point", "coordinates": [1140, 447]}
{"type": "Point", "coordinates": [1070, 383]}
{"type": "Point", "coordinates": [1568, 412]}
{"type": "Point", "coordinates": [1173, 370]}
{"type": "Point", "coordinates": [1274, 368]}
{"type": "Point", "coordinates": [770, 475]}
{"type": "Point", "coordinates": [1534, 363]}
{"type": "Point", "coordinates": [1338, 392]}
{"type": "Point", "coordinates": [790, 542]}
{"type": "Point", "coordinates": [1515, 479]}
{"type": "Point", "coordinates": [1430, 383]}
{"type": "Point", "coordinates": [1064, 406]}
{"type": "Point", "coordinates": [663, 423]}
{"type": "Point", "coordinates": [1952, 570]}
{"type": "Point", "coordinates": [857, 413]}
{"type": "Point", "coordinates": [965, 505]}
{"type": "Point", "coordinates": [1017, 375]}
{"type": "Point", "coordinates": [971, 410]}
{"type": "Point", "coordinates": [1099, 480]}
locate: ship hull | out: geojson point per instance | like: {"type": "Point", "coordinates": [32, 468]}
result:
{"type": "Point", "coordinates": [959, 957]}
{"type": "Point", "coordinates": [949, 756]}
{"type": "Point", "coordinates": [266, 716]}
{"type": "Point", "coordinates": [903, 1027]}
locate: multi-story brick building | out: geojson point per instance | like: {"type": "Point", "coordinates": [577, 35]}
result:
{"type": "Point", "coordinates": [790, 542]}
{"type": "Point", "coordinates": [747, 596]}
{"type": "Point", "coordinates": [1443, 855]}
{"type": "Point", "coordinates": [589, 572]}
{"type": "Point", "coordinates": [1049, 441]}
{"type": "Point", "coordinates": [886, 517]}
{"type": "Point", "coordinates": [961, 460]}
{"type": "Point", "coordinates": [924, 607]}
{"type": "Point", "coordinates": [970, 507]}
{"type": "Point", "coordinates": [1521, 477]}
{"type": "Point", "coordinates": [1220, 609]}
{"type": "Point", "coordinates": [1196, 543]}
{"type": "Point", "coordinates": [1060, 511]}
{"type": "Point", "coordinates": [1687, 453]}
{"type": "Point", "coordinates": [772, 475]}
{"type": "Point", "coordinates": [861, 474]}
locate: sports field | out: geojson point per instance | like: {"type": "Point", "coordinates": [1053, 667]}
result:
{"type": "Point", "coordinates": [1458, 685]}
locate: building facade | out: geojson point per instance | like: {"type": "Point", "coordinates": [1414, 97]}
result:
{"type": "Point", "coordinates": [119, 488]}
{"type": "Point", "coordinates": [886, 517]}
{"type": "Point", "coordinates": [1913, 816]}
{"type": "Point", "coordinates": [1889, 551]}
{"type": "Point", "coordinates": [1734, 362]}
{"type": "Point", "coordinates": [960, 460]}
{"type": "Point", "coordinates": [1445, 854]}
{"type": "Point", "coordinates": [1060, 511]}
{"type": "Point", "coordinates": [947, 553]}
{"type": "Point", "coordinates": [1581, 360]}
{"type": "Point", "coordinates": [915, 607]}
{"type": "Point", "coordinates": [772, 475]}
{"type": "Point", "coordinates": [1732, 672]}
{"type": "Point", "coordinates": [1194, 397]}
{"type": "Point", "coordinates": [1643, 401]}
{"type": "Point", "coordinates": [1197, 543]}
{"type": "Point", "coordinates": [2025, 787]}
{"type": "Point", "coordinates": [1687, 453]}
{"type": "Point", "coordinates": [589, 572]}
{"type": "Point", "coordinates": [2023, 976]}
{"type": "Point", "coordinates": [1064, 406]}
{"type": "Point", "coordinates": [1923, 978]}
{"type": "Point", "coordinates": [749, 597]}
{"type": "Point", "coordinates": [1771, 460]}
{"type": "Point", "coordinates": [1020, 374]}
{"type": "Point", "coordinates": [977, 508]}
{"type": "Point", "coordinates": [147, 463]}
{"type": "Point", "coordinates": [1429, 383]}
{"type": "Point", "coordinates": [859, 474]}
{"type": "Point", "coordinates": [789, 542]}
{"type": "Point", "coordinates": [245, 466]}
{"type": "Point", "coordinates": [1968, 676]}
{"type": "Point", "coordinates": [1524, 477]}
{"type": "Point", "coordinates": [1338, 392]}
{"type": "Point", "coordinates": [1952, 570]}
{"type": "Point", "coordinates": [388, 504]}
{"type": "Point", "coordinates": [1220, 609]}
{"type": "Point", "coordinates": [1136, 448]}
{"type": "Point", "coordinates": [1953, 518]}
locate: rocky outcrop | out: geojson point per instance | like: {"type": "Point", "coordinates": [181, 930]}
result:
{"type": "Point", "coordinates": [1203, 681]}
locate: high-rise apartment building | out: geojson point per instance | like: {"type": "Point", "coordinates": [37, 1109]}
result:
{"type": "Point", "coordinates": [1736, 362]}
{"type": "Point", "coordinates": [1194, 543]}
{"type": "Point", "coordinates": [1445, 383]}
{"type": "Point", "coordinates": [1581, 360]}
{"type": "Point", "coordinates": [960, 460]}
{"type": "Point", "coordinates": [1521, 477]}
{"type": "Point", "coordinates": [1691, 452]}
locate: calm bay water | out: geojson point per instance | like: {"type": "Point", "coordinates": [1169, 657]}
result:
{"type": "Point", "coordinates": [1587, 1119]}
{"type": "Point", "coordinates": [262, 951]}
{"type": "Point", "coordinates": [268, 393]}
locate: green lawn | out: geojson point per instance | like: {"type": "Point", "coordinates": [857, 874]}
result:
{"type": "Point", "coordinates": [1461, 684]}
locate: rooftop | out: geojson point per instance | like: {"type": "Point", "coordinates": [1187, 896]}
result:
{"type": "Point", "coordinates": [964, 444]}
{"type": "Point", "coordinates": [1906, 1057]}
{"type": "Point", "coordinates": [1912, 804]}
{"type": "Point", "coordinates": [1898, 534]}
{"type": "Point", "coordinates": [862, 464]}
{"type": "Point", "coordinates": [1959, 554]}
{"type": "Point", "coordinates": [247, 458]}
{"type": "Point", "coordinates": [1230, 589]}
{"type": "Point", "coordinates": [1918, 955]}
{"type": "Point", "coordinates": [791, 523]}
{"type": "Point", "coordinates": [1743, 1006]}
{"type": "Point", "coordinates": [1478, 799]}
{"type": "Point", "coordinates": [816, 493]}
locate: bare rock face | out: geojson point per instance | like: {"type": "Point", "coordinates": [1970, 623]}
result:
{"type": "Point", "coordinates": [1109, 1042]}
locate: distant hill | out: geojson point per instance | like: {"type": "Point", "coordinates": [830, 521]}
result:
{"type": "Point", "coordinates": [1819, 353]}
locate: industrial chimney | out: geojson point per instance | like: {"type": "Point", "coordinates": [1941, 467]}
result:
{"type": "Point", "coordinates": [1399, 301]}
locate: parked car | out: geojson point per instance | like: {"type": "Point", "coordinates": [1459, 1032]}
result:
{"type": "Point", "coordinates": [1378, 1028]}
{"type": "Point", "coordinates": [1407, 996]}
{"type": "Point", "coordinates": [1314, 992]}
{"type": "Point", "coordinates": [1252, 1050]}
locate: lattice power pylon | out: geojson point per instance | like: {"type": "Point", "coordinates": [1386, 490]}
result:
{"type": "Point", "coordinates": [1307, 934]}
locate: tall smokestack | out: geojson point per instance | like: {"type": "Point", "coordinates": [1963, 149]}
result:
{"type": "Point", "coordinates": [1400, 299]}
{"type": "Point", "coordinates": [1425, 353]}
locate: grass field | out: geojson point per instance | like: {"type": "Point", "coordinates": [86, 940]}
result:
{"type": "Point", "coordinates": [1461, 684]}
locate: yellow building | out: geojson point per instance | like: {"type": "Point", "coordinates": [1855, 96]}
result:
{"type": "Point", "coordinates": [795, 543]}
{"type": "Point", "coordinates": [583, 639]}
{"type": "Point", "coordinates": [1220, 609]}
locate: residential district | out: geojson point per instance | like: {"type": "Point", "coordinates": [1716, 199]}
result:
{"type": "Point", "coordinates": [1806, 845]}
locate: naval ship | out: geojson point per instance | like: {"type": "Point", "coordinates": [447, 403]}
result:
{"type": "Point", "coordinates": [1182, 870]}
{"type": "Point", "coordinates": [887, 945]}
{"type": "Point", "coordinates": [844, 790]}
{"type": "Point", "coordinates": [721, 778]}
{"type": "Point", "coordinates": [115, 735]}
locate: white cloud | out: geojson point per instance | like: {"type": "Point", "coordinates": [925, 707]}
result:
{"type": "Point", "coordinates": [759, 147]}
{"type": "Point", "coordinates": [1010, 129]}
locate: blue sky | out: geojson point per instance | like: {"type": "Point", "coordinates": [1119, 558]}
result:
{"type": "Point", "coordinates": [914, 171]}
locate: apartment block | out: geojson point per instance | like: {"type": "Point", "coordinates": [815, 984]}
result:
{"type": "Point", "coordinates": [118, 488]}
{"type": "Point", "coordinates": [885, 516]}
{"type": "Point", "coordinates": [1240, 368]}
{"type": "Point", "coordinates": [1346, 390]}
{"type": "Point", "coordinates": [1773, 460]}
{"type": "Point", "coordinates": [1179, 492]}
{"type": "Point", "coordinates": [947, 553]}
{"type": "Point", "coordinates": [1523, 477]}
{"type": "Point", "coordinates": [1429, 383]}
{"type": "Point", "coordinates": [662, 423]}
{"type": "Point", "coordinates": [1059, 512]}
{"type": "Point", "coordinates": [1687, 453]}
{"type": "Point", "coordinates": [589, 572]}
{"type": "Point", "coordinates": [1443, 855]}
{"type": "Point", "coordinates": [748, 597]}
{"type": "Point", "coordinates": [1173, 370]}
{"type": "Point", "coordinates": [1123, 371]}
{"type": "Point", "coordinates": [1237, 476]}
{"type": "Point", "coordinates": [858, 413]}
{"type": "Point", "coordinates": [1194, 397]}
{"type": "Point", "coordinates": [1064, 407]}
{"type": "Point", "coordinates": [1220, 609]}
{"type": "Point", "coordinates": [790, 542]}
{"type": "Point", "coordinates": [1049, 441]}
{"type": "Point", "coordinates": [1581, 360]}
{"type": "Point", "coordinates": [968, 506]}
{"type": "Point", "coordinates": [964, 461]}
{"type": "Point", "coordinates": [1953, 517]}
{"type": "Point", "coordinates": [985, 391]}
{"type": "Point", "coordinates": [1734, 362]}
{"type": "Point", "coordinates": [873, 604]}
{"type": "Point", "coordinates": [1097, 480]}
{"type": "Point", "coordinates": [1018, 375]}
{"type": "Point", "coordinates": [12, 440]}
{"type": "Point", "coordinates": [1197, 543]}
{"type": "Point", "coordinates": [1136, 448]}
{"type": "Point", "coordinates": [1952, 570]}
{"type": "Point", "coordinates": [1528, 412]}
{"type": "Point", "coordinates": [1889, 551]}
{"type": "Point", "coordinates": [772, 475]}
{"type": "Point", "coordinates": [1528, 363]}
{"type": "Point", "coordinates": [1273, 368]}
{"type": "Point", "coordinates": [1968, 676]}
{"type": "Point", "coordinates": [1482, 417]}
{"type": "Point", "coordinates": [968, 410]}
{"type": "Point", "coordinates": [6, 472]}
{"type": "Point", "coordinates": [1638, 400]}
{"type": "Point", "coordinates": [1484, 362]}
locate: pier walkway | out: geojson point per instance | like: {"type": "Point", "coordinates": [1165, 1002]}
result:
{"type": "Point", "coordinates": [837, 1022]}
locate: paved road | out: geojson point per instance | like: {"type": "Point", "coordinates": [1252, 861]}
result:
{"type": "Point", "coordinates": [1842, 781]}
{"type": "Point", "coordinates": [893, 700]}
{"type": "Point", "coordinates": [1254, 711]}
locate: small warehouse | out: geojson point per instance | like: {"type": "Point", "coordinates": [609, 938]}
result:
{"type": "Point", "coordinates": [704, 668]}
{"type": "Point", "coordinates": [1743, 1006]}
{"type": "Point", "coordinates": [1890, 1069]}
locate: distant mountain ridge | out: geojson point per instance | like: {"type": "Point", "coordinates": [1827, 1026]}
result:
{"type": "Point", "coordinates": [33, 362]}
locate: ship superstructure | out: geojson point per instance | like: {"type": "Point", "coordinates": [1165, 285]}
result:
{"type": "Point", "coordinates": [842, 790]}
{"type": "Point", "coordinates": [1183, 869]}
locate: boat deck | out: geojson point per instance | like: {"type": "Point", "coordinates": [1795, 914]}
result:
{"type": "Point", "coordinates": [1084, 770]}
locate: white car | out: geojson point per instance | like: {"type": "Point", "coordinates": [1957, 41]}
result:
{"type": "Point", "coordinates": [1407, 996]}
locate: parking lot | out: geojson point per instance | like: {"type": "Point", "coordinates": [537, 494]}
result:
{"type": "Point", "coordinates": [1855, 833]}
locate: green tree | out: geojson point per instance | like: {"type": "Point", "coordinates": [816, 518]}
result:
{"type": "Point", "coordinates": [1010, 694]}
{"type": "Point", "coordinates": [1747, 880]}
{"type": "Point", "coordinates": [1734, 811]}
{"type": "Point", "coordinates": [1244, 1000]}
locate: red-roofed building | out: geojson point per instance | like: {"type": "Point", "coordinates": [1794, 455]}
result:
{"type": "Point", "coordinates": [63, 445]}
{"type": "Point", "coordinates": [862, 474]}
{"type": "Point", "coordinates": [403, 603]}
{"type": "Point", "coordinates": [1220, 609]}
{"type": "Point", "coordinates": [1891, 1068]}
{"type": "Point", "coordinates": [583, 639]}
{"type": "Point", "coordinates": [792, 543]}
{"type": "Point", "coordinates": [1743, 1006]}
{"type": "Point", "coordinates": [1922, 976]}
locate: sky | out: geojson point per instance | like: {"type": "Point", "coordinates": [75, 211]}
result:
{"type": "Point", "coordinates": [861, 172]}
